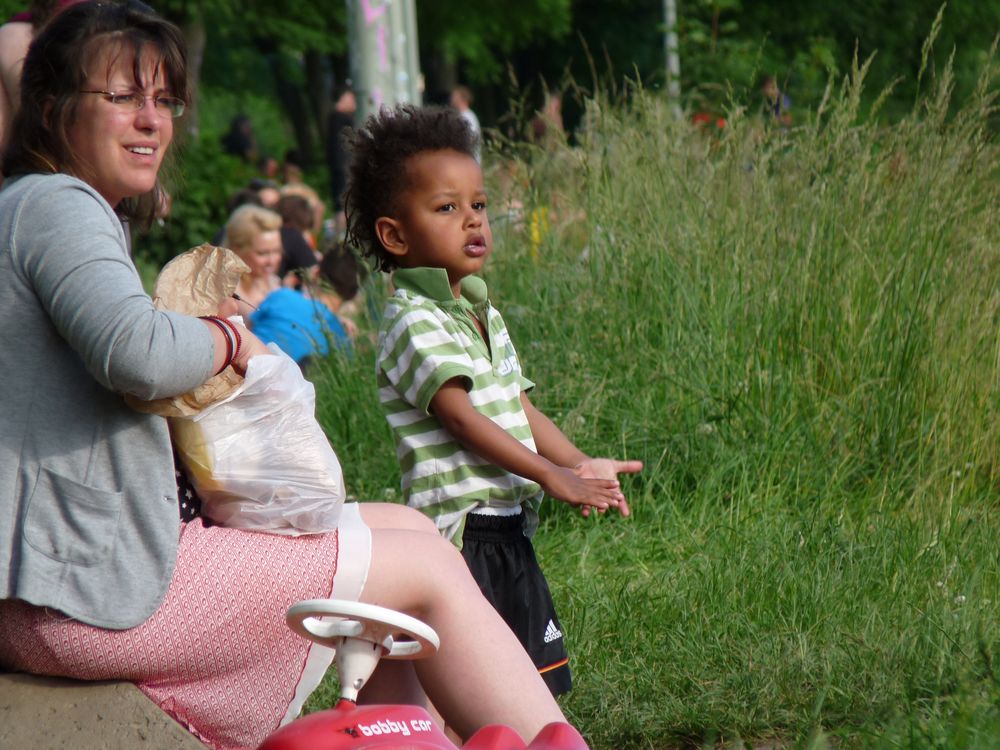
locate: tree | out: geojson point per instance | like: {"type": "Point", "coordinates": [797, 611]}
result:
{"type": "Point", "coordinates": [290, 36]}
{"type": "Point", "coordinates": [727, 45]}
{"type": "Point", "coordinates": [477, 38]}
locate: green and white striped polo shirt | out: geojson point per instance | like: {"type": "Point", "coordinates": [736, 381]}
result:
{"type": "Point", "coordinates": [428, 337]}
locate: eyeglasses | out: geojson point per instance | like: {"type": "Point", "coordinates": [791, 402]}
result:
{"type": "Point", "coordinates": [165, 106]}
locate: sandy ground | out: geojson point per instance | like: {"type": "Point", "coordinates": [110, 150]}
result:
{"type": "Point", "coordinates": [41, 713]}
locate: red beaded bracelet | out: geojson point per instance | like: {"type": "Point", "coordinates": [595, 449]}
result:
{"type": "Point", "coordinates": [228, 331]}
{"type": "Point", "coordinates": [236, 336]}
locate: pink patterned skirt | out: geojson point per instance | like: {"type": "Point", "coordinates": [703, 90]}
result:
{"type": "Point", "coordinates": [216, 655]}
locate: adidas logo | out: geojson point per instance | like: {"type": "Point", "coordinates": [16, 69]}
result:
{"type": "Point", "coordinates": [552, 633]}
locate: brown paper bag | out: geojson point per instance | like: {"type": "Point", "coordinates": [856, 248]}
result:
{"type": "Point", "coordinates": [196, 283]}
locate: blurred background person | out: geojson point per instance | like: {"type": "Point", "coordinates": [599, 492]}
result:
{"type": "Point", "coordinates": [291, 170]}
{"type": "Point", "coordinates": [547, 124]}
{"type": "Point", "coordinates": [461, 99]}
{"type": "Point", "coordinates": [301, 326]}
{"type": "Point", "coordinates": [15, 37]}
{"type": "Point", "coordinates": [340, 121]}
{"type": "Point", "coordinates": [777, 104]}
{"type": "Point", "coordinates": [298, 241]}
{"type": "Point", "coordinates": [240, 140]}
{"type": "Point", "coordinates": [315, 204]}
{"type": "Point", "coordinates": [268, 167]}
{"type": "Point", "coordinates": [341, 275]}
{"type": "Point", "coordinates": [267, 191]}
{"type": "Point", "coordinates": [254, 234]}
{"type": "Point", "coordinates": [338, 285]}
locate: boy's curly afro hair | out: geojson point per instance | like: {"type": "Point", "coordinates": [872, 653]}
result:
{"type": "Point", "coordinates": [377, 173]}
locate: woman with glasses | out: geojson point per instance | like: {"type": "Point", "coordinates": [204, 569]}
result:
{"type": "Point", "coordinates": [100, 578]}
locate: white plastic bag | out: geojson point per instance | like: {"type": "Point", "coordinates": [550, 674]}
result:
{"type": "Point", "coordinates": [259, 459]}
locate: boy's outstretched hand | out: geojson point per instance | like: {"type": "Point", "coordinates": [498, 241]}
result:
{"type": "Point", "coordinates": [591, 484]}
{"type": "Point", "coordinates": [609, 469]}
{"type": "Point", "coordinates": [587, 492]}
{"type": "Point", "coordinates": [560, 468]}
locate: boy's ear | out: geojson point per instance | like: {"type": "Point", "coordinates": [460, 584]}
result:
{"type": "Point", "coordinates": [390, 235]}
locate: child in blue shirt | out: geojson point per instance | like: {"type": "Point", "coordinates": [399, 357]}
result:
{"type": "Point", "coordinates": [301, 327]}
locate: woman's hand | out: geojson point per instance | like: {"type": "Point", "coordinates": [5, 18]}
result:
{"type": "Point", "coordinates": [228, 308]}
{"type": "Point", "coordinates": [235, 306]}
{"type": "Point", "coordinates": [250, 347]}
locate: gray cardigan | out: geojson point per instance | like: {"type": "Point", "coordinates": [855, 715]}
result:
{"type": "Point", "coordinates": [88, 506]}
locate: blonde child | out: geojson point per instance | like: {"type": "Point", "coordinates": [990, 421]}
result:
{"type": "Point", "coordinates": [254, 234]}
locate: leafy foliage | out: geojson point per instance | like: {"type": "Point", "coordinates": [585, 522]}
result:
{"type": "Point", "coordinates": [293, 24]}
{"type": "Point", "coordinates": [482, 35]}
{"type": "Point", "coordinates": [804, 44]}
{"type": "Point", "coordinates": [10, 7]}
{"type": "Point", "coordinates": [203, 180]}
{"type": "Point", "coordinates": [725, 47]}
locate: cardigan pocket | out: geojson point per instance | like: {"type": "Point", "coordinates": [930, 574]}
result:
{"type": "Point", "coordinates": [69, 521]}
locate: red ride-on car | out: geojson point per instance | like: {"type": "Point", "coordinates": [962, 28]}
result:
{"type": "Point", "coordinates": [362, 634]}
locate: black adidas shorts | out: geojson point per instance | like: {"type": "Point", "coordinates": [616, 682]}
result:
{"type": "Point", "coordinates": [503, 563]}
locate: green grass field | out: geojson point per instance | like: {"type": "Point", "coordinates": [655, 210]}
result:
{"type": "Point", "coordinates": [799, 333]}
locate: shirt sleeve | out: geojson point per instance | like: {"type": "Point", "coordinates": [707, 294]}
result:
{"type": "Point", "coordinates": [418, 355]}
{"type": "Point", "coordinates": [71, 249]}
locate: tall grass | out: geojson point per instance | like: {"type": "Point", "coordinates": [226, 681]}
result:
{"type": "Point", "coordinates": [797, 331]}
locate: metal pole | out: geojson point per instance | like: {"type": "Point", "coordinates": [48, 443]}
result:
{"type": "Point", "coordinates": [383, 52]}
{"type": "Point", "coordinates": [398, 57]}
{"type": "Point", "coordinates": [673, 60]}
{"type": "Point", "coordinates": [416, 80]}
{"type": "Point", "coordinates": [367, 24]}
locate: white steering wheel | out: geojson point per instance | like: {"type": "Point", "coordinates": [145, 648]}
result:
{"type": "Point", "coordinates": [362, 634]}
{"type": "Point", "coordinates": [367, 622]}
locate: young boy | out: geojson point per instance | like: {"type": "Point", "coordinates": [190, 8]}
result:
{"type": "Point", "coordinates": [475, 453]}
